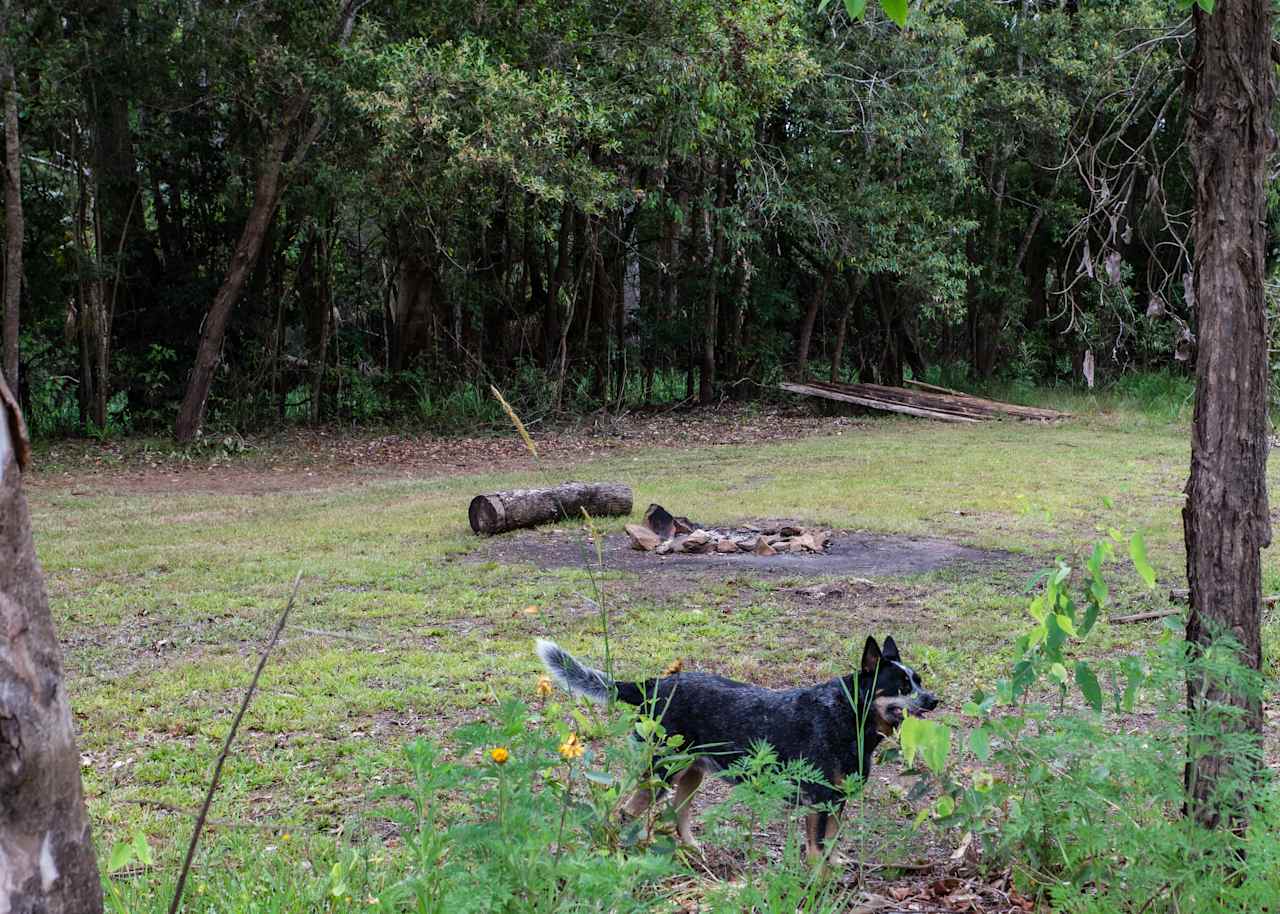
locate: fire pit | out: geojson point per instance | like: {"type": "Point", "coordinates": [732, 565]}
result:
{"type": "Point", "coordinates": [662, 533]}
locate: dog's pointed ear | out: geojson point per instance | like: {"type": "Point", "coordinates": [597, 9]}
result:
{"type": "Point", "coordinates": [870, 656]}
{"type": "Point", "coordinates": [891, 649]}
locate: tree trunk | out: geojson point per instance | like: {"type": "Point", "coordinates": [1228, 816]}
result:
{"type": "Point", "coordinates": [266, 197]}
{"type": "Point", "coordinates": [853, 290]}
{"type": "Point", "coordinates": [46, 854]}
{"type": "Point", "coordinates": [503, 511]}
{"type": "Point", "coordinates": [711, 298]}
{"type": "Point", "coordinates": [551, 318]}
{"type": "Point", "coordinates": [810, 319]}
{"type": "Point", "coordinates": [1226, 522]}
{"type": "Point", "coordinates": [414, 309]}
{"type": "Point", "coordinates": [14, 225]}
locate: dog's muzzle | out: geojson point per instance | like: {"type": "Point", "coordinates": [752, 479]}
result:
{"type": "Point", "coordinates": [923, 702]}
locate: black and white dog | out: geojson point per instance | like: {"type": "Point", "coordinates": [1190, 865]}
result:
{"type": "Point", "coordinates": [720, 720]}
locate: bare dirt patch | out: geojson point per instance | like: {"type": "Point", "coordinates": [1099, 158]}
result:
{"type": "Point", "coordinates": [849, 553]}
{"type": "Point", "coordinates": [324, 458]}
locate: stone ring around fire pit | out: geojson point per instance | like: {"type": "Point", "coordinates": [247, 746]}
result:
{"type": "Point", "coordinates": [664, 534]}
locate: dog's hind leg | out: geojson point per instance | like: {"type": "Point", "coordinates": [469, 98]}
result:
{"type": "Point", "coordinates": [639, 802]}
{"type": "Point", "coordinates": [687, 783]}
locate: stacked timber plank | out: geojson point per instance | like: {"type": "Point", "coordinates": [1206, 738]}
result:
{"type": "Point", "coordinates": [925, 401]}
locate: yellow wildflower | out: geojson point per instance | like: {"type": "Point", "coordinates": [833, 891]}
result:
{"type": "Point", "coordinates": [543, 687]}
{"type": "Point", "coordinates": [571, 748]}
{"type": "Point", "coordinates": [286, 837]}
{"type": "Point", "coordinates": [499, 755]}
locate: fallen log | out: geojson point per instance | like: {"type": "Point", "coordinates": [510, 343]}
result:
{"type": "Point", "coordinates": [927, 402]}
{"type": "Point", "coordinates": [814, 390]}
{"type": "Point", "coordinates": [1012, 409]}
{"type": "Point", "coordinates": [502, 511]}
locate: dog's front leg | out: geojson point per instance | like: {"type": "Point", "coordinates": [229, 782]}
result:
{"type": "Point", "coordinates": [687, 783]}
{"type": "Point", "coordinates": [820, 828]}
{"type": "Point", "coordinates": [815, 825]}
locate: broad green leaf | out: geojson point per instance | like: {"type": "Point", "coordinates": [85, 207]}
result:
{"type": "Point", "coordinates": [1058, 672]}
{"type": "Point", "coordinates": [603, 778]}
{"type": "Point", "coordinates": [822, 7]}
{"type": "Point", "coordinates": [1055, 637]}
{"type": "Point", "coordinates": [931, 740]}
{"type": "Point", "coordinates": [945, 806]}
{"type": "Point", "coordinates": [983, 780]}
{"type": "Point", "coordinates": [1088, 684]}
{"type": "Point", "coordinates": [121, 856]}
{"type": "Point", "coordinates": [1090, 617]}
{"type": "Point", "coordinates": [1134, 678]}
{"type": "Point", "coordinates": [1138, 552]}
{"type": "Point", "coordinates": [1206, 5]}
{"type": "Point", "coordinates": [1065, 623]}
{"type": "Point", "coordinates": [896, 10]}
{"type": "Point", "coordinates": [142, 850]}
{"type": "Point", "coordinates": [980, 743]}
{"type": "Point", "coordinates": [855, 8]}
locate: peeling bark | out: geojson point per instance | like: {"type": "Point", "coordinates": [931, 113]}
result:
{"type": "Point", "coordinates": [47, 864]}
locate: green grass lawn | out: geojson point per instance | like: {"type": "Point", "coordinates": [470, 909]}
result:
{"type": "Point", "coordinates": [162, 601]}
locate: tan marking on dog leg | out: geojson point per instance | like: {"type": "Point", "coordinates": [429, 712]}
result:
{"type": "Point", "coordinates": [811, 850]}
{"type": "Point", "coordinates": [687, 783]}
{"type": "Point", "coordinates": [829, 844]}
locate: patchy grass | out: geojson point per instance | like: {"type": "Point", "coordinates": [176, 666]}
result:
{"type": "Point", "coordinates": [163, 599]}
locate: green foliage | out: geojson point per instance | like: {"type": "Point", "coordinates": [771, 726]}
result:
{"type": "Point", "coordinates": [567, 188]}
{"type": "Point", "coordinates": [1065, 797]}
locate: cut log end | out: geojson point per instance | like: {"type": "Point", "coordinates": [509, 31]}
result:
{"type": "Point", "coordinates": [486, 514]}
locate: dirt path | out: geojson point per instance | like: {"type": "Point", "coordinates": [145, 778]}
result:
{"type": "Point", "coordinates": [309, 459]}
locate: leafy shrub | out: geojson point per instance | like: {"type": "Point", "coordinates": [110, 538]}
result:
{"type": "Point", "coordinates": [1086, 808]}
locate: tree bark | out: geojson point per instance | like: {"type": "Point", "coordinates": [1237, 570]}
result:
{"type": "Point", "coordinates": [551, 316]}
{"type": "Point", "coordinates": [266, 197]}
{"type": "Point", "coordinates": [810, 319]}
{"type": "Point", "coordinates": [503, 511]}
{"type": "Point", "coordinates": [711, 299]}
{"type": "Point", "coordinates": [853, 290]}
{"type": "Point", "coordinates": [47, 863]}
{"type": "Point", "coordinates": [14, 223]}
{"type": "Point", "coordinates": [1231, 88]}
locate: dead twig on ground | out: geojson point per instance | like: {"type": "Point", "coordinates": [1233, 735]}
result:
{"type": "Point", "coordinates": [1144, 617]}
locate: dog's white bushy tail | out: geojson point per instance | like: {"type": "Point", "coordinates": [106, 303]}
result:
{"type": "Point", "coordinates": [571, 675]}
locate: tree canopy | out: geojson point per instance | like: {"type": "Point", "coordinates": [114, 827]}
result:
{"type": "Point", "coordinates": [587, 204]}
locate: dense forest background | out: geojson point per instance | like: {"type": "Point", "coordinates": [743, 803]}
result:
{"type": "Point", "coordinates": [238, 214]}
